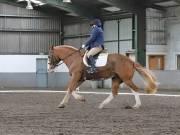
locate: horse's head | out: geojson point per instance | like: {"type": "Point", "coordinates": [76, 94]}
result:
{"type": "Point", "coordinates": [53, 60]}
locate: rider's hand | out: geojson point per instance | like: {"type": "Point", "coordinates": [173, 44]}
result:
{"type": "Point", "coordinates": [83, 46]}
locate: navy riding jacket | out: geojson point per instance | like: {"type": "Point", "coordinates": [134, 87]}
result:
{"type": "Point", "coordinates": [96, 37]}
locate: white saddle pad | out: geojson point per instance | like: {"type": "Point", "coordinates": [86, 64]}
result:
{"type": "Point", "coordinates": [100, 61]}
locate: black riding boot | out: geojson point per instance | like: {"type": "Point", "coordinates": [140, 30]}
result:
{"type": "Point", "coordinates": [92, 63]}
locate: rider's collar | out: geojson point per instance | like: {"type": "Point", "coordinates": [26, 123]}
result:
{"type": "Point", "coordinates": [94, 26]}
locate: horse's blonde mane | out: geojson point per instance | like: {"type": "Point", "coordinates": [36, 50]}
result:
{"type": "Point", "coordinates": [68, 46]}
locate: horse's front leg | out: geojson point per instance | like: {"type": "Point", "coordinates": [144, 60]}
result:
{"type": "Point", "coordinates": [65, 99]}
{"type": "Point", "coordinates": [77, 89]}
{"type": "Point", "coordinates": [75, 92]}
{"type": "Point", "coordinates": [73, 84]}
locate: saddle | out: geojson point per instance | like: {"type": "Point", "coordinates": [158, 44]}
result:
{"type": "Point", "coordinates": [100, 59]}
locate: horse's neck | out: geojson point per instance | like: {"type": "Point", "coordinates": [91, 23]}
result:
{"type": "Point", "coordinates": [69, 55]}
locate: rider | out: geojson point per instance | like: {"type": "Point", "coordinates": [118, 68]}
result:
{"type": "Point", "coordinates": [94, 44]}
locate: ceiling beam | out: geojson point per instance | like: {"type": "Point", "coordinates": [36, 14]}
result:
{"type": "Point", "coordinates": [72, 8]}
{"type": "Point", "coordinates": [156, 1]}
{"type": "Point", "coordinates": [118, 15]}
{"type": "Point", "coordinates": [177, 1]}
{"type": "Point", "coordinates": [68, 7]}
{"type": "Point", "coordinates": [4, 1]}
{"type": "Point", "coordinates": [157, 7]}
{"type": "Point", "coordinates": [154, 6]}
{"type": "Point", "coordinates": [12, 2]}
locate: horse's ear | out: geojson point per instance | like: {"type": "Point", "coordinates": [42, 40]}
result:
{"type": "Point", "coordinates": [51, 47]}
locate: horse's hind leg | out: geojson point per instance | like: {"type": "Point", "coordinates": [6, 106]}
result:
{"type": "Point", "coordinates": [134, 90]}
{"type": "Point", "coordinates": [115, 87]}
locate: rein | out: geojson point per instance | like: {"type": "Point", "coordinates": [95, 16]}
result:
{"type": "Point", "coordinates": [68, 56]}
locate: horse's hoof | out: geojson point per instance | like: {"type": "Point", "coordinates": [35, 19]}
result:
{"type": "Point", "coordinates": [83, 100]}
{"type": "Point", "coordinates": [61, 106]}
{"type": "Point", "coordinates": [129, 107]}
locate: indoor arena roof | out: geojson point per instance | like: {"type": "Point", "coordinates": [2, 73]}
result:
{"type": "Point", "coordinates": [93, 8]}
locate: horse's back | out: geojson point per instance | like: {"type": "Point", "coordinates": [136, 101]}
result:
{"type": "Point", "coordinates": [120, 63]}
{"type": "Point", "coordinates": [119, 57]}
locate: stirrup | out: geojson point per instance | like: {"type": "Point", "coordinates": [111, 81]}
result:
{"type": "Point", "coordinates": [91, 70]}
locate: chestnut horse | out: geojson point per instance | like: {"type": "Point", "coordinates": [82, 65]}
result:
{"type": "Point", "coordinates": [119, 67]}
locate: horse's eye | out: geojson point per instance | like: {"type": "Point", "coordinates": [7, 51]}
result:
{"type": "Point", "coordinates": [49, 57]}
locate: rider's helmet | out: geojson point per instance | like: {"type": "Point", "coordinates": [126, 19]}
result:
{"type": "Point", "coordinates": [96, 22]}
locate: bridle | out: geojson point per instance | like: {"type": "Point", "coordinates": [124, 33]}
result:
{"type": "Point", "coordinates": [56, 61]}
{"type": "Point", "coordinates": [53, 61]}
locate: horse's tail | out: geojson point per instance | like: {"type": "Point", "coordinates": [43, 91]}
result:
{"type": "Point", "coordinates": [148, 77]}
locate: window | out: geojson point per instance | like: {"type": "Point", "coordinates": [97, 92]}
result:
{"type": "Point", "coordinates": [156, 62]}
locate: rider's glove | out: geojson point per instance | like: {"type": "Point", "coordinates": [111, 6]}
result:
{"type": "Point", "coordinates": [83, 46]}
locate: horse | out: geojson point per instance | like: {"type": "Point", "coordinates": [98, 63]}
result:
{"type": "Point", "coordinates": [118, 67]}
